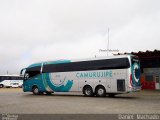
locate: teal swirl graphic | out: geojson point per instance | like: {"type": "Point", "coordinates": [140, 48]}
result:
{"type": "Point", "coordinates": [56, 87]}
{"type": "Point", "coordinates": [136, 74]}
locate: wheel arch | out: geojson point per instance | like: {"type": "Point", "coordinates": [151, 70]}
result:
{"type": "Point", "coordinates": [99, 85]}
{"type": "Point", "coordinates": [34, 87]}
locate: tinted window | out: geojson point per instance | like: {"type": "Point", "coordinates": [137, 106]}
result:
{"type": "Point", "coordinates": [31, 72]}
{"type": "Point", "coordinates": [119, 63]}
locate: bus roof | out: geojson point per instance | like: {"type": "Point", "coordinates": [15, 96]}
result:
{"type": "Point", "coordinates": [50, 62]}
{"type": "Point", "coordinates": [77, 60]}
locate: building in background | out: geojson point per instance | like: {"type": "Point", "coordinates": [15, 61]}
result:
{"type": "Point", "coordinates": [150, 68]}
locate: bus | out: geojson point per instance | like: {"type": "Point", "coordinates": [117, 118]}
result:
{"type": "Point", "coordinates": [93, 77]}
{"type": "Point", "coordinates": [11, 81]}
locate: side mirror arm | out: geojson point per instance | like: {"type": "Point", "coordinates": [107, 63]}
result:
{"type": "Point", "coordinates": [22, 71]}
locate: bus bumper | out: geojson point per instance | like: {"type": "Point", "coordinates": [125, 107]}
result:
{"type": "Point", "coordinates": [26, 88]}
{"type": "Point", "coordinates": [138, 88]}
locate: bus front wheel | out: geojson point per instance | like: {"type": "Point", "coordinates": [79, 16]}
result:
{"type": "Point", "coordinates": [35, 90]}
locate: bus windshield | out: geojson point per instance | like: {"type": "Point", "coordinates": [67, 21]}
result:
{"type": "Point", "coordinates": [31, 72]}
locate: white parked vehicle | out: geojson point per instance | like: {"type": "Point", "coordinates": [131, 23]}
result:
{"type": "Point", "coordinates": [11, 81]}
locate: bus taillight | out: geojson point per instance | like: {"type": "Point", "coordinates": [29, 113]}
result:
{"type": "Point", "coordinates": [130, 80]}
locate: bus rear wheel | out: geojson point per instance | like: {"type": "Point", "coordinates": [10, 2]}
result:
{"type": "Point", "coordinates": [35, 90]}
{"type": "Point", "coordinates": [88, 91]}
{"type": "Point", "coordinates": [100, 91]}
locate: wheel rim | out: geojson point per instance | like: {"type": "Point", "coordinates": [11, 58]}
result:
{"type": "Point", "coordinates": [100, 91]}
{"type": "Point", "coordinates": [36, 90]}
{"type": "Point", "coordinates": [88, 92]}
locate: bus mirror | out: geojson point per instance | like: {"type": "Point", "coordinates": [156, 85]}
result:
{"type": "Point", "coordinates": [26, 76]}
{"type": "Point", "coordinates": [22, 72]}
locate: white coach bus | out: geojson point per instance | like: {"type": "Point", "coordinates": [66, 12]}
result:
{"type": "Point", "coordinates": [11, 81]}
{"type": "Point", "coordinates": [96, 76]}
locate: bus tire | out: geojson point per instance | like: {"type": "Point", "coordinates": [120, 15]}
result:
{"type": "Point", "coordinates": [35, 90]}
{"type": "Point", "coordinates": [1, 85]}
{"type": "Point", "coordinates": [88, 91]}
{"type": "Point", "coordinates": [100, 91]}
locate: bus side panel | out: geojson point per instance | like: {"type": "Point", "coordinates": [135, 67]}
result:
{"type": "Point", "coordinates": [60, 82]}
{"type": "Point", "coordinates": [75, 81]}
{"type": "Point", "coordinates": [35, 81]}
{"type": "Point", "coordinates": [63, 79]}
{"type": "Point", "coordinates": [118, 79]}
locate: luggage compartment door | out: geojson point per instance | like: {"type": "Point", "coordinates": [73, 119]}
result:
{"type": "Point", "coordinates": [121, 85]}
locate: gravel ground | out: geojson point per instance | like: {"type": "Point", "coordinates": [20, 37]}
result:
{"type": "Point", "coordinates": [15, 101]}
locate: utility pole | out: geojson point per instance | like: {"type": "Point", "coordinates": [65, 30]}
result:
{"type": "Point", "coordinates": [108, 43]}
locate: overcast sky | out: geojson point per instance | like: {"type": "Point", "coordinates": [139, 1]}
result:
{"type": "Point", "coordinates": [40, 30]}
